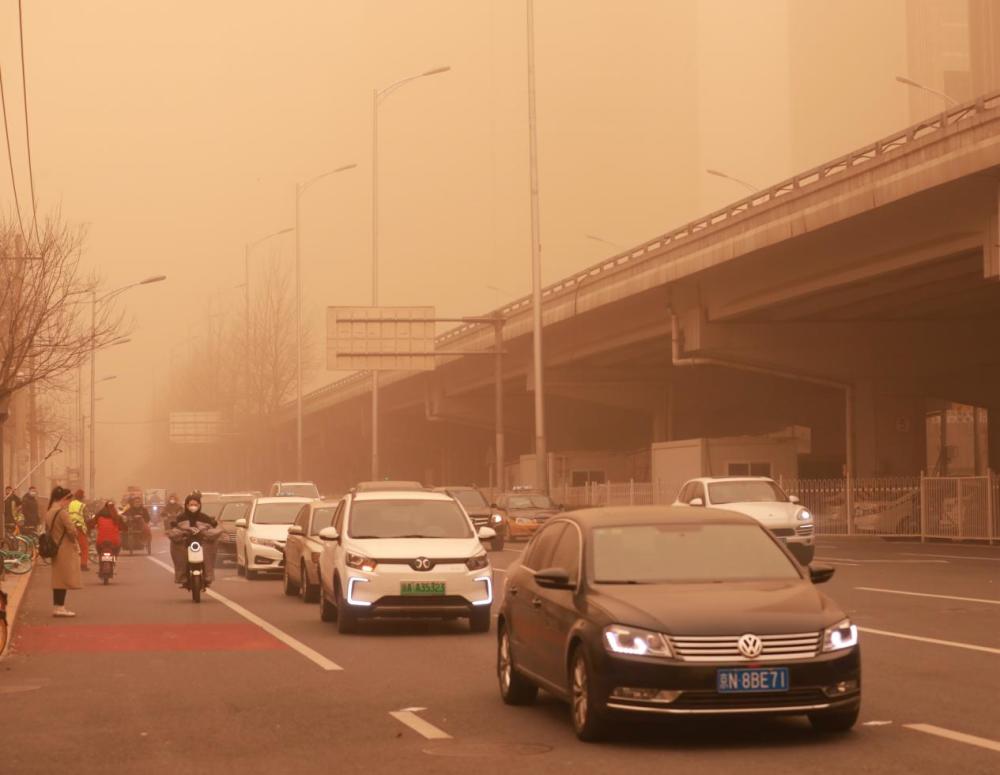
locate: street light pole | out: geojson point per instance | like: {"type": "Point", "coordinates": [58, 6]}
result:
{"type": "Point", "coordinates": [541, 450]}
{"type": "Point", "coordinates": [93, 364]}
{"type": "Point", "coordinates": [719, 174]}
{"type": "Point", "coordinates": [300, 189]}
{"type": "Point", "coordinates": [378, 94]}
{"type": "Point", "coordinates": [910, 82]}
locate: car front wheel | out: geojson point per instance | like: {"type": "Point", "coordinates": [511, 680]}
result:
{"type": "Point", "coordinates": [588, 721]}
{"type": "Point", "coordinates": [515, 689]}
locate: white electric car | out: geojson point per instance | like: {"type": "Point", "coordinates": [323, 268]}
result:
{"type": "Point", "coordinates": [404, 553]}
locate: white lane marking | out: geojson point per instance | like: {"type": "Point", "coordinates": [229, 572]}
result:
{"type": "Point", "coordinates": [960, 737]}
{"type": "Point", "coordinates": [904, 562]}
{"type": "Point", "coordinates": [876, 723]}
{"type": "Point", "coordinates": [928, 594]}
{"type": "Point", "coordinates": [418, 725]}
{"type": "Point", "coordinates": [284, 637]}
{"type": "Point", "coordinates": [953, 643]}
{"type": "Point", "coordinates": [952, 556]}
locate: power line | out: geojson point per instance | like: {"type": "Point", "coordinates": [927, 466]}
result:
{"type": "Point", "coordinates": [10, 158]}
{"type": "Point", "coordinates": [27, 129]}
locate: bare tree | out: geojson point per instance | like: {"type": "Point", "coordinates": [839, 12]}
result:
{"type": "Point", "coordinates": [45, 325]}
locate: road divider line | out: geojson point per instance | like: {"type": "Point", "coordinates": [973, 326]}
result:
{"type": "Point", "coordinates": [928, 594]}
{"type": "Point", "coordinates": [952, 556]}
{"type": "Point", "coordinates": [296, 645]}
{"type": "Point", "coordinates": [960, 737]}
{"type": "Point", "coordinates": [936, 641]}
{"type": "Point", "coordinates": [418, 725]}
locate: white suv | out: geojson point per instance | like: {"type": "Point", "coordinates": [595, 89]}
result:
{"type": "Point", "coordinates": [760, 498]}
{"type": "Point", "coordinates": [261, 535]}
{"type": "Point", "coordinates": [404, 553]}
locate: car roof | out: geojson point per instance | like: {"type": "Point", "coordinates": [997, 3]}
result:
{"type": "Point", "coordinates": [611, 516]}
{"type": "Point", "coordinates": [709, 479]}
{"type": "Point", "coordinates": [388, 484]}
{"type": "Point", "coordinates": [284, 499]}
{"type": "Point", "coordinates": [323, 504]}
{"type": "Point", "coordinates": [401, 495]}
{"type": "Point", "coordinates": [455, 488]}
{"type": "Point", "coordinates": [284, 482]}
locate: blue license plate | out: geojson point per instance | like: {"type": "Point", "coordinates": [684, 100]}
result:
{"type": "Point", "coordinates": [752, 679]}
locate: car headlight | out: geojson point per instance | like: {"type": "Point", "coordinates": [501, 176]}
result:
{"type": "Point", "coordinates": [360, 562]}
{"type": "Point", "coordinates": [477, 562]}
{"type": "Point", "coordinates": [804, 515]}
{"type": "Point", "coordinates": [497, 519]}
{"type": "Point", "coordinates": [265, 542]}
{"type": "Point", "coordinates": [635, 642]}
{"type": "Point", "coordinates": [843, 635]}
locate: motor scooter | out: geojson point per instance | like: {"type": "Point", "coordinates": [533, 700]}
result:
{"type": "Point", "coordinates": [193, 551]}
{"type": "Point", "coordinates": [195, 566]}
{"type": "Point", "coordinates": [106, 562]}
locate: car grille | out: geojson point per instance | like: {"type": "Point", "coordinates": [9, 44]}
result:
{"type": "Point", "coordinates": [723, 648]}
{"type": "Point", "coordinates": [804, 530]}
{"type": "Point", "coordinates": [783, 531]}
{"type": "Point", "coordinates": [709, 700]}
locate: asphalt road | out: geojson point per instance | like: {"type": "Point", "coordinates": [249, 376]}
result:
{"type": "Point", "coordinates": [145, 681]}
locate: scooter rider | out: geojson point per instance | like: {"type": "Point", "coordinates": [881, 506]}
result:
{"type": "Point", "coordinates": [192, 518]}
{"type": "Point", "coordinates": [137, 516]}
{"type": "Point", "coordinates": [171, 511]}
{"type": "Point", "coordinates": [109, 526]}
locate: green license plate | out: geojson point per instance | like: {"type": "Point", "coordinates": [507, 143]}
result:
{"type": "Point", "coordinates": [419, 588]}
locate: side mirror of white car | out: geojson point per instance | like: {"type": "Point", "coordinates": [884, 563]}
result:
{"type": "Point", "coordinates": [696, 502]}
{"type": "Point", "coordinates": [241, 523]}
{"type": "Point", "coordinates": [793, 499]}
{"type": "Point", "coordinates": [329, 534]}
{"type": "Point", "coordinates": [296, 530]}
{"type": "Point", "coordinates": [486, 533]}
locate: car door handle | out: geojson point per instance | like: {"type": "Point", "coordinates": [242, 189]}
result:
{"type": "Point", "coordinates": [536, 602]}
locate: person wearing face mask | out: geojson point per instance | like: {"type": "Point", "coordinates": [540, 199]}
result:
{"type": "Point", "coordinates": [137, 522]}
{"type": "Point", "coordinates": [29, 508]}
{"type": "Point", "coordinates": [171, 511]}
{"type": "Point", "coordinates": [193, 519]}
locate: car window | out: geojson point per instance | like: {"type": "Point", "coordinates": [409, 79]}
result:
{"type": "Point", "coordinates": [234, 510]}
{"type": "Point", "coordinates": [698, 491]}
{"type": "Point", "coordinates": [682, 496]}
{"type": "Point", "coordinates": [322, 518]}
{"type": "Point", "coordinates": [408, 519]}
{"type": "Point", "coordinates": [471, 499]}
{"type": "Point", "coordinates": [276, 513]}
{"type": "Point", "coordinates": [538, 555]}
{"type": "Point", "coordinates": [748, 491]}
{"type": "Point", "coordinates": [665, 553]}
{"type": "Point", "coordinates": [529, 502]}
{"type": "Point", "coordinates": [567, 553]}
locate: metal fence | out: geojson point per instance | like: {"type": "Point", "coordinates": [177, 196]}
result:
{"type": "Point", "coordinates": [955, 507]}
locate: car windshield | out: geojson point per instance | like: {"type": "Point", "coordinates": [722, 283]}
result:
{"type": "Point", "coordinates": [322, 518]}
{"type": "Point", "coordinates": [529, 502]}
{"type": "Point", "coordinates": [234, 510]}
{"type": "Point", "coordinates": [408, 519]}
{"type": "Point", "coordinates": [656, 554]}
{"type": "Point", "coordinates": [276, 513]}
{"type": "Point", "coordinates": [303, 490]}
{"type": "Point", "coordinates": [211, 508]}
{"type": "Point", "coordinates": [745, 492]}
{"type": "Point", "coordinates": [471, 499]}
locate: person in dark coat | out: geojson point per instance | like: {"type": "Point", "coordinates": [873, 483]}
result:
{"type": "Point", "coordinates": [29, 508]}
{"type": "Point", "coordinates": [193, 518]}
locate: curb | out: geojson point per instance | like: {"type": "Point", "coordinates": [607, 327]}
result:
{"type": "Point", "coordinates": [14, 598]}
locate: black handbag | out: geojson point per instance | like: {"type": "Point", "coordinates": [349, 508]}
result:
{"type": "Point", "coordinates": [48, 547]}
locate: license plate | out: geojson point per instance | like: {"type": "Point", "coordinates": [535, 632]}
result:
{"type": "Point", "coordinates": [421, 588]}
{"type": "Point", "coordinates": [752, 679]}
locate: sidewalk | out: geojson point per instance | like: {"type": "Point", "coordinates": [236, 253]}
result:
{"type": "Point", "coordinates": [15, 587]}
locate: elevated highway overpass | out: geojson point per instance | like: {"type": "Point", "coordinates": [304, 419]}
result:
{"type": "Point", "coordinates": [847, 299]}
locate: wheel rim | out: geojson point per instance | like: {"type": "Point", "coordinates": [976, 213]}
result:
{"type": "Point", "coordinates": [505, 663]}
{"type": "Point", "coordinates": [580, 693]}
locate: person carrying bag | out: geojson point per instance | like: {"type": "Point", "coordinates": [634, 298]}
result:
{"type": "Point", "coordinates": [66, 554]}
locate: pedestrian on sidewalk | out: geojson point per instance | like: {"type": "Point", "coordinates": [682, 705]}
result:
{"type": "Point", "coordinates": [29, 507]}
{"type": "Point", "coordinates": [76, 514]}
{"type": "Point", "coordinates": [11, 507]}
{"type": "Point", "coordinates": [66, 563]}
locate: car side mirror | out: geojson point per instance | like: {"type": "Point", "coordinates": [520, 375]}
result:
{"type": "Point", "coordinates": [296, 530]}
{"type": "Point", "coordinates": [554, 578]}
{"type": "Point", "coordinates": [793, 499]}
{"type": "Point", "coordinates": [696, 502]}
{"type": "Point", "coordinates": [486, 533]}
{"type": "Point", "coordinates": [329, 534]}
{"type": "Point", "coordinates": [241, 523]}
{"type": "Point", "coordinates": [820, 574]}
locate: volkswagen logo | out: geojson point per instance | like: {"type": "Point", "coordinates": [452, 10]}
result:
{"type": "Point", "coordinates": [750, 646]}
{"type": "Point", "coordinates": [422, 563]}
